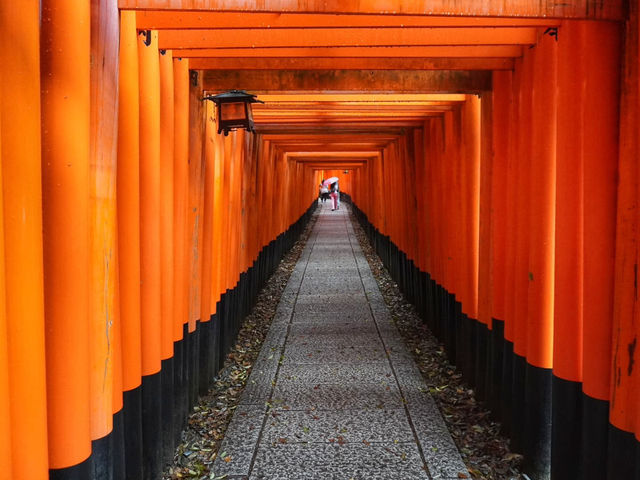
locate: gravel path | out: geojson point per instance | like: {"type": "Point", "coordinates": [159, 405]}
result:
{"type": "Point", "coordinates": [483, 449]}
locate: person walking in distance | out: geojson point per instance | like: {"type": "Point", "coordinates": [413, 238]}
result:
{"type": "Point", "coordinates": [324, 192]}
{"type": "Point", "coordinates": [333, 189]}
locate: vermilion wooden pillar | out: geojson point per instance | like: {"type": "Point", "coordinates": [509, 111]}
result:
{"type": "Point", "coordinates": [522, 243]}
{"type": "Point", "coordinates": [167, 275]}
{"type": "Point", "coordinates": [180, 263]}
{"type": "Point", "coordinates": [150, 252]}
{"type": "Point", "coordinates": [484, 282]}
{"type": "Point", "coordinates": [128, 202]}
{"type": "Point", "coordinates": [106, 430]}
{"type": "Point", "coordinates": [208, 214]}
{"type": "Point", "coordinates": [65, 80]}
{"type": "Point", "coordinates": [601, 137]}
{"type": "Point", "coordinates": [569, 252]}
{"type": "Point", "coordinates": [501, 183]}
{"type": "Point", "coordinates": [22, 217]}
{"type": "Point", "coordinates": [5, 407]}
{"type": "Point", "coordinates": [625, 381]}
{"type": "Point", "coordinates": [506, 402]}
{"type": "Point", "coordinates": [542, 197]}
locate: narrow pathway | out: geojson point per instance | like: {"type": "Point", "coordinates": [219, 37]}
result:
{"type": "Point", "coordinates": [334, 393]}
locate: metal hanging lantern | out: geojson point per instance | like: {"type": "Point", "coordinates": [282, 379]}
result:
{"type": "Point", "coordinates": [233, 110]}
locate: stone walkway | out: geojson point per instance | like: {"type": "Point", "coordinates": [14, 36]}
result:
{"type": "Point", "coordinates": [334, 393]}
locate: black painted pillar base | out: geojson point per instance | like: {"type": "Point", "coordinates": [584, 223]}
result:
{"type": "Point", "coordinates": [102, 458]}
{"type": "Point", "coordinates": [622, 460]}
{"type": "Point", "coordinates": [205, 352]}
{"type": "Point", "coordinates": [595, 435]}
{"type": "Point", "coordinates": [132, 417]}
{"type": "Point", "coordinates": [566, 428]}
{"type": "Point", "coordinates": [152, 426]}
{"type": "Point", "coordinates": [81, 471]}
{"type": "Point", "coordinates": [518, 380]}
{"type": "Point", "coordinates": [215, 343]}
{"type": "Point", "coordinates": [450, 327]}
{"type": "Point", "coordinates": [168, 393]}
{"type": "Point", "coordinates": [506, 401]}
{"type": "Point", "coordinates": [496, 364]}
{"type": "Point", "coordinates": [537, 422]}
{"type": "Point", "coordinates": [481, 351]}
{"type": "Point", "coordinates": [119, 469]}
{"type": "Point", "coordinates": [193, 342]}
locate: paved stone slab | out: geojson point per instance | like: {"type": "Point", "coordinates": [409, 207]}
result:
{"type": "Point", "coordinates": [321, 328]}
{"type": "Point", "coordinates": [377, 372]}
{"type": "Point", "coordinates": [330, 284]}
{"type": "Point", "coordinates": [339, 462]}
{"type": "Point", "coordinates": [335, 397]}
{"type": "Point", "coordinates": [357, 315]}
{"type": "Point", "coordinates": [330, 426]}
{"type": "Point", "coordinates": [326, 353]}
{"type": "Point", "coordinates": [335, 340]}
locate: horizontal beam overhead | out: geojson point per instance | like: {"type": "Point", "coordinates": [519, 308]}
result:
{"type": "Point", "coordinates": [352, 63]}
{"type": "Point", "coordinates": [334, 129]}
{"type": "Point", "coordinates": [360, 97]}
{"type": "Point", "coordinates": [459, 51]}
{"type": "Point", "coordinates": [591, 9]}
{"type": "Point", "coordinates": [331, 162]}
{"type": "Point", "coordinates": [350, 106]}
{"type": "Point", "coordinates": [391, 81]}
{"type": "Point", "coordinates": [170, 19]}
{"type": "Point", "coordinates": [342, 37]}
{"type": "Point", "coordinates": [324, 154]}
{"type": "Point", "coordinates": [336, 137]}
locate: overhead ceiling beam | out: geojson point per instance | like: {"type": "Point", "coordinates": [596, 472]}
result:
{"type": "Point", "coordinates": [460, 51]}
{"type": "Point", "coordinates": [352, 63]}
{"type": "Point", "coordinates": [344, 37]}
{"type": "Point", "coordinates": [588, 9]}
{"type": "Point", "coordinates": [338, 137]}
{"type": "Point", "coordinates": [348, 127]}
{"type": "Point", "coordinates": [332, 137]}
{"type": "Point", "coordinates": [330, 163]}
{"type": "Point", "coordinates": [360, 97]}
{"type": "Point", "coordinates": [324, 154]}
{"type": "Point", "coordinates": [169, 19]}
{"type": "Point", "coordinates": [390, 81]}
{"type": "Point", "coordinates": [274, 130]}
{"type": "Point", "coordinates": [365, 109]}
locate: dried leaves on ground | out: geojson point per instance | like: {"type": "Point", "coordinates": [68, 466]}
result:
{"type": "Point", "coordinates": [484, 450]}
{"type": "Point", "coordinates": [208, 422]}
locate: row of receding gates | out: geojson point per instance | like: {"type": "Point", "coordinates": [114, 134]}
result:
{"type": "Point", "coordinates": [135, 238]}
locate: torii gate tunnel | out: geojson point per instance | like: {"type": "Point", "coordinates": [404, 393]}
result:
{"type": "Point", "coordinates": [490, 149]}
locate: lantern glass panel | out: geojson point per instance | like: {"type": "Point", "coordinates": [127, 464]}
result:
{"type": "Point", "coordinates": [232, 111]}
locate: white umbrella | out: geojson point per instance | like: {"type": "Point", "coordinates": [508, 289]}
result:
{"type": "Point", "coordinates": [329, 181]}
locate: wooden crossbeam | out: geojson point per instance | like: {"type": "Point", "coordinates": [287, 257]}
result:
{"type": "Point", "coordinates": [457, 51]}
{"type": "Point", "coordinates": [389, 81]}
{"type": "Point", "coordinates": [587, 9]}
{"type": "Point", "coordinates": [188, 20]}
{"type": "Point", "coordinates": [352, 63]}
{"type": "Point", "coordinates": [346, 37]}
